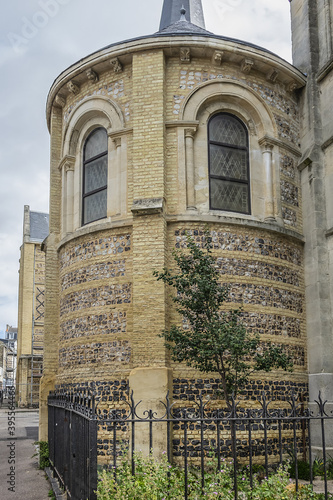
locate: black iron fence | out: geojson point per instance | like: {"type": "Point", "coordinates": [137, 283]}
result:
{"type": "Point", "coordinates": [72, 436]}
{"type": "Point", "coordinates": [266, 434]}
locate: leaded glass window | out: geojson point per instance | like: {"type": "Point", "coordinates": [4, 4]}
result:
{"type": "Point", "coordinates": [229, 183]}
{"type": "Point", "coordinates": [95, 174]}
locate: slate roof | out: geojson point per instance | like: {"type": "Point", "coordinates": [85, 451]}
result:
{"type": "Point", "coordinates": [183, 27]}
{"type": "Point", "coordinates": [39, 226]}
{"type": "Point", "coordinates": [172, 9]}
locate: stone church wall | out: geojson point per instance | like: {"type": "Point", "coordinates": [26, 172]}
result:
{"type": "Point", "coordinates": [105, 309]}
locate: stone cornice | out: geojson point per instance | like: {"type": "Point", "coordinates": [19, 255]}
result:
{"type": "Point", "coordinates": [199, 45]}
{"type": "Point", "coordinates": [127, 222]}
{"type": "Point", "coordinates": [95, 227]}
{"type": "Point", "coordinates": [236, 221]}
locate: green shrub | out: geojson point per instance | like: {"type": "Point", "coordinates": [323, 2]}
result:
{"type": "Point", "coordinates": [158, 480]}
{"type": "Point", "coordinates": [318, 467]}
{"type": "Point", "coordinates": [43, 454]}
{"type": "Point", "coordinates": [303, 470]}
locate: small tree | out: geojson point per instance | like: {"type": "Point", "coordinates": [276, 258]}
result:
{"type": "Point", "coordinates": [213, 339]}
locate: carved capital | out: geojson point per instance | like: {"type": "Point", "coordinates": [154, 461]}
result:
{"type": "Point", "coordinates": [190, 132]}
{"type": "Point", "coordinates": [116, 64]}
{"type": "Point", "coordinates": [92, 75]}
{"type": "Point", "coordinates": [217, 58]}
{"type": "Point", "coordinates": [73, 87]}
{"type": "Point", "coordinates": [185, 55]}
{"type": "Point", "coordinates": [247, 65]}
{"type": "Point", "coordinates": [266, 143]}
{"type": "Point", "coordinates": [117, 141]}
{"type": "Point", "coordinates": [69, 167]}
{"type": "Point", "coordinates": [67, 163]}
{"type": "Point", "coordinates": [272, 75]}
{"type": "Point", "coordinates": [60, 101]}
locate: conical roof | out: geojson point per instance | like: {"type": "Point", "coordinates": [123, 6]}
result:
{"type": "Point", "coordinates": [172, 8]}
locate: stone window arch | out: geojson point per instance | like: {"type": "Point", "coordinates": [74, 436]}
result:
{"type": "Point", "coordinates": [237, 100]}
{"type": "Point", "coordinates": [85, 201]}
{"type": "Point", "coordinates": [95, 176]}
{"type": "Point", "coordinates": [229, 173]}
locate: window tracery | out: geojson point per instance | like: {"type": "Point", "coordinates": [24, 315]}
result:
{"type": "Point", "coordinates": [229, 178]}
{"type": "Point", "coordinates": [95, 175]}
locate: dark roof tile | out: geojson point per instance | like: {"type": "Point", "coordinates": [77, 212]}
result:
{"type": "Point", "coordinates": [39, 226]}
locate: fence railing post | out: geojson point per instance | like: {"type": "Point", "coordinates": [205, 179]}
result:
{"type": "Point", "coordinates": [76, 412]}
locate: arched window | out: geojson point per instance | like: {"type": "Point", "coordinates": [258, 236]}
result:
{"type": "Point", "coordinates": [229, 182]}
{"type": "Point", "coordinates": [95, 175]}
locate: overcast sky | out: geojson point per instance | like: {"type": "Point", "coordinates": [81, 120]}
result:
{"type": "Point", "coordinates": [41, 38]}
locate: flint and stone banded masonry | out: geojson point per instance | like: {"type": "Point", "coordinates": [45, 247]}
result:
{"type": "Point", "coordinates": [117, 213]}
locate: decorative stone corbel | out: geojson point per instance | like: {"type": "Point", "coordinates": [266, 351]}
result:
{"type": "Point", "coordinates": [116, 64]}
{"type": "Point", "coordinates": [252, 127]}
{"type": "Point", "coordinates": [73, 87]}
{"type": "Point", "coordinates": [217, 58]}
{"type": "Point", "coordinates": [92, 75]}
{"type": "Point", "coordinates": [272, 75]}
{"type": "Point", "coordinates": [292, 86]}
{"type": "Point", "coordinates": [148, 206]}
{"type": "Point", "coordinates": [60, 101]}
{"type": "Point", "coordinates": [185, 55]}
{"type": "Point", "coordinates": [247, 65]}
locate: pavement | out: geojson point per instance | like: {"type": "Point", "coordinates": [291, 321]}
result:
{"type": "Point", "coordinates": [20, 477]}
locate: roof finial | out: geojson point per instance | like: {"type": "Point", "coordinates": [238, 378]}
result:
{"type": "Point", "coordinates": [182, 13]}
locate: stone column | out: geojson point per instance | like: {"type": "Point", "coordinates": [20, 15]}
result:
{"type": "Point", "coordinates": [189, 148]}
{"type": "Point", "coordinates": [69, 168]}
{"type": "Point", "coordinates": [117, 142]}
{"type": "Point", "coordinates": [267, 149]}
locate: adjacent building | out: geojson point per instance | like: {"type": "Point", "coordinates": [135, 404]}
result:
{"type": "Point", "coordinates": [30, 334]}
{"type": "Point", "coordinates": [3, 364]}
{"type": "Point", "coordinates": [8, 359]}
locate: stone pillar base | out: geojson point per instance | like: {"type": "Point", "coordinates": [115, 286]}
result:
{"type": "Point", "coordinates": [323, 383]}
{"type": "Point", "coordinates": [47, 384]}
{"type": "Point", "coordinates": [150, 386]}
